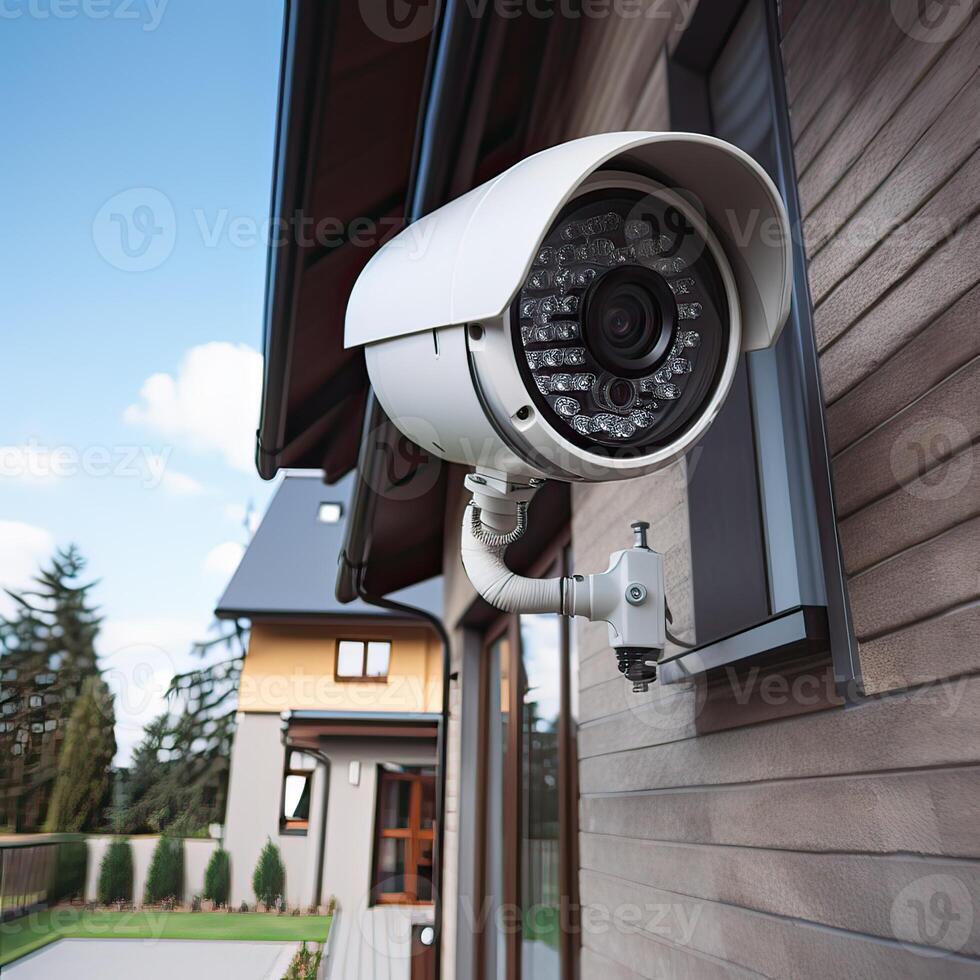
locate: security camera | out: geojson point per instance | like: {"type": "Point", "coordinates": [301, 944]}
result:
{"type": "Point", "coordinates": [579, 317]}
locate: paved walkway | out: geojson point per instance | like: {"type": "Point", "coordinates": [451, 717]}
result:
{"type": "Point", "coordinates": [153, 959]}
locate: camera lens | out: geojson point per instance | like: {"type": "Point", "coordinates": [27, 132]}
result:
{"type": "Point", "coordinates": [630, 320]}
{"type": "Point", "coordinates": [625, 321]}
{"type": "Point", "coordinates": [621, 393]}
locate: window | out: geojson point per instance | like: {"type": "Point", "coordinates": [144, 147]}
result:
{"type": "Point", "coordinates": [329, 512]}
{"type": "Point", "coordinates": [297, 787]}
{"type": "Point", "coordinates": [363, 660]}
{"type": "Point", "coordinates": [404, 834]}
{"type": "Point", "coordinates": [530, 792]}
{"type": "Point", "coordinates": [765, 560]}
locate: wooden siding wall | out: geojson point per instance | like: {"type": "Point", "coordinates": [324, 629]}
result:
{"type": "Point", "coordinates": [798, 848]}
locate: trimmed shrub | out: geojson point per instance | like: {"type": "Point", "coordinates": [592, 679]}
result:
{"type": "Point", "coordinates": [217, 877]}
{"type": "Point", "coordinates": [70, 870]}
{"type": "Point", "coordinates": [269, 878]}
{"type": "Point", "coordinates": [305, 964]}
{"type": "Point", "coordinates": [116, 873]}
{"type": "Point", "coordinates": [165, 879]}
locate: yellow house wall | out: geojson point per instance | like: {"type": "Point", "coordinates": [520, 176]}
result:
{"type": "Point", "coordinates": [291, 667]}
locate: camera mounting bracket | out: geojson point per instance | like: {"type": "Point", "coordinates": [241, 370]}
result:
{"type": "Point", "coordinates": [628, 596]}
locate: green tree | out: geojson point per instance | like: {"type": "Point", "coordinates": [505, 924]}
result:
{"type": "Point", "coordinates": [165, 878]}
{"type": "Point", "coordinates": [269, 877]}
{"type": "Point", "coordinates": [217, 877]}
{"type": "Point", "coordinates": [116, 873]}
{"type": "Point", "coordinates": [82, 784]}
{"type": "Point", "coordinates": [179, 774]}
{"type": "Point", "coordinates": [47, 650]}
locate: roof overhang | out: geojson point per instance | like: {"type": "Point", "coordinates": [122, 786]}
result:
{"type": "Point", "coordinates": [345, 137]}
{"type": "Point", "coordinates": [463, 102]}
{"type": "Point", "coordinates": [308, 729]}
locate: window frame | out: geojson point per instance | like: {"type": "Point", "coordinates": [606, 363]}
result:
{"type": "Point", "coordinates": [290, 827]}
{"type": "Point", "coordinates": [814, 607]}
{"type": "Point", "coordinates": [363, 677]}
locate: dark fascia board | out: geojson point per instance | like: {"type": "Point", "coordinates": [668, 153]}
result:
{"type": "Point", "coordinates": [307, 29]}
{"type": "Point", "coordinates": [319, 619]}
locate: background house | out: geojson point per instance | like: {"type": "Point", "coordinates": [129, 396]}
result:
{"type": "Point", "coordinates": [338, 711]}
{"type": "Point", "coordinates": [799, 797]}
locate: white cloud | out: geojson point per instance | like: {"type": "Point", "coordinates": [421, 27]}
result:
{"type": "Point", "coordinates": [211, 404]}
{"type": "Point", "coordinates": [23, 548]}
{"type": "Point", "coordinates": [223, 559]}
{"type": "Point", "coordinates": [181, 485]}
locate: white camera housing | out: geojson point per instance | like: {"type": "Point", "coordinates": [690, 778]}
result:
{"type": "Point", "coordinates": [438, 313]}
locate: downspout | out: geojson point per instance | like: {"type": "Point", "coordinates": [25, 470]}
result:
{"type": "Point", "coordinates": [442, 742]}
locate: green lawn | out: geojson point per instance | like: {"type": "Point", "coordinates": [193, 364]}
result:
{"type": "Point", "coordinates": [32, 931]}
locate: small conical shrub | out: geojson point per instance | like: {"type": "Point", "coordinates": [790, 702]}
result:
{"type": "Point", "coordinates": [217, 877]}
{"type": "Point", "coordinates": [165, 879]}
{"type": "Point", "coordinates": [116, 873]}
{"type": "Point", "coordinates": [269, 878]}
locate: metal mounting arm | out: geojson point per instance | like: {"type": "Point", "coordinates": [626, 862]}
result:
{"type": "Point", "coordinates": [628, 595]}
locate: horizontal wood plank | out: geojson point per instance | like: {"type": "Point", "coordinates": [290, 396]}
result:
{"type": "Point", "coordinates": [923, 581]}
{"type": "Point", "coordinates": [902, 251]}
{"type": "Point", "coordinates": [844, 891]}
{"type": "Point", "coordinates": [929, 727]}
{"type": "Point", "coordinates": [943, 153]}
{"type": "Point", "coordinates": [949, 272]}
{"type": "Point", "coordinates": [871, 129]}
{"type": "Point", "coordinates": [937, 648]}
{"type": "Point", "coordinates": [944, 346]}
{"type": "Point", "coordinates": [847, 68]}
{"type": "Point", "coordinates": [650, 958]}
{"type": "Point", "coordinates": [945, 496]}
{"type": "Point", "coordinates": [903, 451]}
{"type": "Point", "coordinates": [770, 945]}
{"type": "Point", "coordinates": [931, 812]}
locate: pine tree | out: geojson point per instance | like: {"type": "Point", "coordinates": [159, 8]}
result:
{"type": "Point", "coordinates": [269, 877]}
{"type": "Point", "coordinates": [217, 878]}
{"type": "Point", "coordinates": [165, 878]}
{"type": "Point", "coordinates": [47, 650]}
{"type": "Point", "coordinates": [179, 774]}
{"type": "Point", "coordinates": [82, 785]}
{"type": "Point", "coordinates": [116, 873]}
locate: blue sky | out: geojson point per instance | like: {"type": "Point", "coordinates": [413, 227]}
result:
{"type": "Point", "coordinates": [136, 174]}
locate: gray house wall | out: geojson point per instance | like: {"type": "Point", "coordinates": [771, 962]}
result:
{"type": "Point", "coordinates": [792, 835]}
{"type": "Point", "coordinates": [252, 814]}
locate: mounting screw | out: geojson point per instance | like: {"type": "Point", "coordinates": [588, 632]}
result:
{"type": "Point", "coordinates": [636, 594]}
{"type": "Point", "coordinates": [640, 529]}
